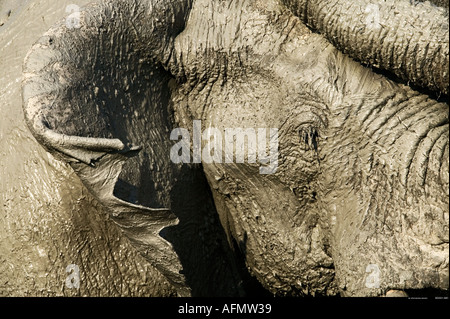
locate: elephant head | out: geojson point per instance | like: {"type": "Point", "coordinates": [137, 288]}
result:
{"type": "Point", "coordinates": [358, 201]}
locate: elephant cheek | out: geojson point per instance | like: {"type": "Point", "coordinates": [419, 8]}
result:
{"type": "Point", "coordinates": [258, 213]}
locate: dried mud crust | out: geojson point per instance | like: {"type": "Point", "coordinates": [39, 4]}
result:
{"type": "Point", "coordinates": [9, 9]}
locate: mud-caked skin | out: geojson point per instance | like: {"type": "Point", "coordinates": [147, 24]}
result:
{"type": "Point", "coordinates": [49, 222]}
{"type": "Point", "coordinates": [407, 38]}
{"type": "Point", "coordinates": [358, 204]}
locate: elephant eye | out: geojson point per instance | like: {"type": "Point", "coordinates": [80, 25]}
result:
{"type": "Point", "coordinates": [309, 137]}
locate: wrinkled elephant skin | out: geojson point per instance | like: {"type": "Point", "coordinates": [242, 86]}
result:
{"type": "Point", "coordinates": [357, 204]}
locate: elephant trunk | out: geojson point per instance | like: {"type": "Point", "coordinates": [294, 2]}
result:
{"type": "Point", "coordinates": [408, 39]}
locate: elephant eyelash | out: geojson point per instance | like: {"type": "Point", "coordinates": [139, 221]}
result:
{"type": "Point", "coordinates": [309, 137]}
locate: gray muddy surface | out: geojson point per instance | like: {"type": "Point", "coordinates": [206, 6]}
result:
{"type": "Point", "coordinates": [47, 224]}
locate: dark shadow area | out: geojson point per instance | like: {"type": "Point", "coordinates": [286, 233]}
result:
{"type": "Point", "coordinates": [210, 267]}
{"type": "Point", "coordinates": [250, 284]}
{"type": "Point", "coordinates": [427, 292]}
{"type": "Point", "coordinates": [443, 98]}
{"type": "Point", "coordinates": [126, 191]}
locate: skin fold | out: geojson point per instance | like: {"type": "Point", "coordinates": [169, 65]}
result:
{"type": "Point", "coordinates": [405, 38]}
{"type": "Point", "coordinates": [358, 205]}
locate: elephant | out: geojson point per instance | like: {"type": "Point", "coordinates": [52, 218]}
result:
{"type": "Point", "coordinates": [353, 202]}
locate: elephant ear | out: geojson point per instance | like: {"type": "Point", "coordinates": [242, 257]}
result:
{"type": "Point", "coordinates": [96, 97]}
